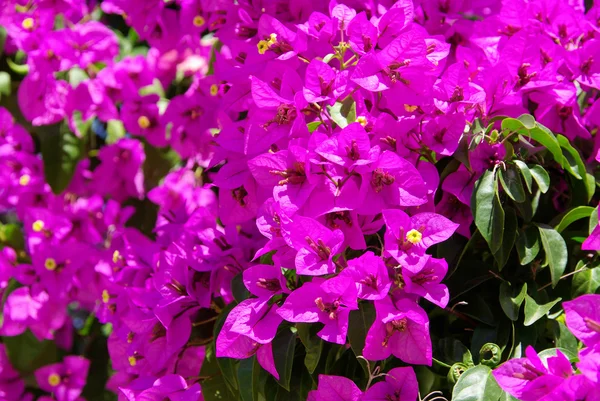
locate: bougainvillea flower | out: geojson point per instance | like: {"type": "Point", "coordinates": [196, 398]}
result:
{"type": "Point", "coordinates": [583, 318]}
{"type": "Point", "coordinates": [399, 384]}
{"type": "Point", "coordinates": [370, 275]}
{"type": "Point", "coordinates": [592, 243]}
{"type": "Point", "coordinates": [265, 280]}
{"type": "Point", "coordinates": [65, 380]}
{"type": "Point", "coordinates": [335, 388]}
{"type": "Point", "coordinates": [408, 237]}
{"type": "Point", "coordinates": [328, 302]}
{"type": "Point", "coordinates": [424, 279]}
{"type": "Point", "coordinates": [401, 330]}
{"type": "Point", "coordinates": [528, 379]}
{"type": "Point", "coordinates": [316, 245]}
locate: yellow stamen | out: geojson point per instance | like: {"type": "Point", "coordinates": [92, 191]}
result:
{"type": "Point", "coordinates": [132, 360]}
{"type": "Point", "coordinates": [37, 226]}
{"type": "Point", "coordinates": [105, 297]}
{"type": "Point", "coordinates": [199, 21]}
{"type": "Point", "coordinates": [54, 380]}
{"type": "Point", "coordinates": [410, 108]}
{"type": "Point", "coordinates": [214, 89]}
{"type": "Point", "coordinates": [24, 179]}
{"type": "Point", "coordinates": [414, 236]}
{"type": "Point", "coordinates": [263, 46]}
{"type": "Point", "coordinates": [144, 122]}
{"type": "Point", "coordinates": [28, 23]}
{"type": "Point", "coordinates": [116, 256]}
{"type": "Point", "coordinates": [362, 120]}
{"type": "Point", "coordinates": [50, 264]}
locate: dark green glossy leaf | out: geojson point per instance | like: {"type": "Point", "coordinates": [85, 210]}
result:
{"type": "Point", "coordinates": [487, 210]}
{"type": "Point", "coordinates": [239, 290]}
{"type": "Point", "coordinates": [361, 321]}
{"type": "Point", "coordinates": [455, 351]}
{"type": "Point", "coordinates": [555, 249]}
{"type": "Point", "coordinates": [26, 353]}
{"type": "Point", "coordinates": [247, 370]}
{"type": "Point", "coordinates": [578, 213]}
{"type": "Point", "coordinates": [511, 182]}
{"type": "Point", "coordinates": [61, 151]}
{"type": "Point", "coordinates": [545, 137]}
{"type": "Point", "coordinates": [215, 389]}
{"type": "Point", "coordinates": [508, 239]}
{"type": "Point", "coordinates": [313, 344]}
{"type": "Point", "coordinates": [586, 282]}
{"type": "Point", "coordinates": [572, 159]}
{"type": "Point", "coordinates": [541, 177]}
{"type": "Point", "coordinates": [563, 338]}
{"type": "Point", "coordinates": [527, 177]}
{"type": "Point", "coordinates": [528, 245]}
{"type": "Point", "coordinates": [511, 299]}
{"type": "Point", "coordinates": [534, 312]}
{"type": "Point", "coordinates": [283, 354]}
{"type": "Point", "coordinates": [476, 384]}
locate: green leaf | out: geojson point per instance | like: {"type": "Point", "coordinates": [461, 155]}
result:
{"type": "Point", "coordinates": [215, 389]}
{"type": "Point", "coordinates": [455, 351]}
{"type": "Point", "coordinates": [2, 40]}
{"type": "Point", "coordinates": [5, 84]}
{"type": "Point", "coordinates": [593, 220]}
{"type": "Point", "coordinates": [534, 312]}
{"type": "Point", "coordinates": [26, 353]}
{"type": "Point", "coordinates": [527, 177]}
{"type": "Point", "coordinates": [511, 182]}
{"type": "Point", "coordinates": [115, 130]}
{"type": "Point", "coordinates": [239, 290]}
{"type": "Point", "coordinates": [77, 76]}
{"type": "Point", "coordinates": [312, 126]}
{"type": "Point", "coordinates": [313, 344]}
{"type": "Point", "coordinates": [547, 353]}
{"type": "Point", "coordinates": [563, 338]}
{"type": "Point", "coordinates": [508, 239]}
{"type": "Point", "coordinates": [578, 213]}
{"type": "Point", "coordinates": [360, 322]}
{"type": "Point", "coordinates": [511, 299]}
{"type": "Point", "coordinates": [21, 69]}
{"type": "Point", "coordinates": [487, 210]}
{"type": "Point", "coordinates": [572, 158]}
{"type": "Point", "coordinates": [335, 112]}
{"type": "Point", "coordinates": [528, 245]}
{"type": "Point", "coordinates": [12, 235]}
{"type": "Point", "coordinates": [476, 384]}
{"type": "Point", "coordinates": [61, 151]}
{"type": "Point", "coordinates": [541, 177]}
{"type": "Point", "coordinates": [555, 249]}
{"type": "Point", "coordinates": [283, 354]}
{"type": "Point", "coordinates": [513, 125]}
{"type": "Point", "coordinates": [545, 137]}
{"type": "Point", "coordinates": [527, 120]}
{"type": "Point", "coordinates": [226, 365]}
{"type": "Point", "coordinates": [247, 370]}
{"type": "Point", "coordinates": [155, 88]}
{"type": "Point", "coordinates": [349, 110]}
{"type": "Point", "coordinates": [586, 282]}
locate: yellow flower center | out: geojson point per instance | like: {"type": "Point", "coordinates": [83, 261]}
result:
{"type": "Point", "coordinates": [54, 380]}
{"type": "Point", "coordinates": [410, 108]}
{"type": "Point", "coordinates": [362, 120]}
{"type": "Point", "coordinates": [263, 46]}
{"type": "Point", "coordinates": [105, 297]}
{"type": "Point", "coordinates": [28, 23]}
{"type": "Point", "coordinates": [414, 236]}
{"type": "Point", "coordinates": [214, 89]}
{"type": "Point", "coordinates": [24, 179]}
{"type": "Point", "coordinates": [132, 361]}
{"type": "Point", "coordinates": [199, 21]}
{"type": "Point", "coordinates": [144, 122]}
{"type": "Point", "coordinates": [37, 226]}
{"type": "Point", "coordinates": [50, 264]}
{"type": "Point", "coordinates": [116, 256]}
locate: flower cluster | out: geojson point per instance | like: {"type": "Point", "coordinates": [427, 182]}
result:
{"type": "Point", "coordinates": [553, 378]}
{"type": "Point", "coordinates": [321, 152]}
